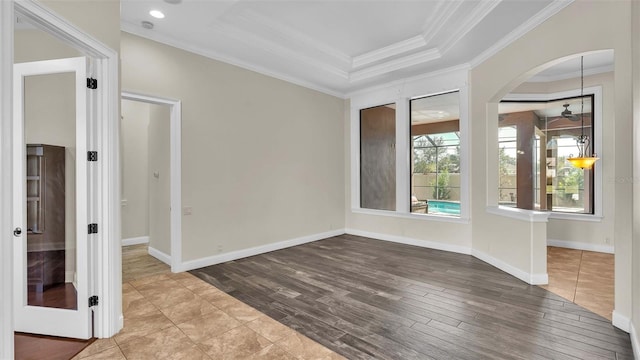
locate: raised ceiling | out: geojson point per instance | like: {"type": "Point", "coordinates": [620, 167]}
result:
{"type": "Point", "coordinates": [340, 47]}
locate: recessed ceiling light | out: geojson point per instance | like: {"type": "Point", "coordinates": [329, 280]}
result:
{"type": "Point", "coordinates": [147, 25]}
{"type": "Point", "coordinates": [173, 1]}
{"type": "Point", "coordinates": [156, 14]}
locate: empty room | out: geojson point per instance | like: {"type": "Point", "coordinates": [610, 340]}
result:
{"type": "Point", "coordinates": [320, 179]}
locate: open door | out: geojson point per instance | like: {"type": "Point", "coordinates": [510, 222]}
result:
{"type": "Point", "coordinates": [51, 202]}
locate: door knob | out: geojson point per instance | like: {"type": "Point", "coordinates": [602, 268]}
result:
{"type": "Point", "coordinates": [17, 231]}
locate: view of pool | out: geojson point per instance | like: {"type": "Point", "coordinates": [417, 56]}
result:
{"type": "Point", "coordinates": [444, 207]}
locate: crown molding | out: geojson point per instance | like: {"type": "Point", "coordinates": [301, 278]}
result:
{"type": "Point", "coordinates": [527, 26]}
{"type": "Point", "coordinates": [166, 40]}
{"type": "Point", "coordinates": [400, 82]}
{"type": "Point", "coordinates": [398, 48]}
{"type": "Point", "coordinates": [436, 22]}
{"type": "Point", "coordinates": [474, 18]}
{"type": "Point", "coordinates": [284, 52]}
{"type": "Point", "coordinates": [401, 63]}
{"type": "Point", "coordinates": [571, 75]}
{"type": "Point", "coordinates": [291, 36]}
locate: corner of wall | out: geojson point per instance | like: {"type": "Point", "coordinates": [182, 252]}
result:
{"type": "Point", "coordinates": [635, 340]}
{"type": "Point", "coordinates": [620, 321]}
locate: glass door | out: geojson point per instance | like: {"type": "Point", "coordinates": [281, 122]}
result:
{"type": "Point", "coordinates": [50, 193]}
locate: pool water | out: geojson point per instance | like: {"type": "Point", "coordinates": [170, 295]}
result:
{"type": "Point", "coordinates": [444, 207]}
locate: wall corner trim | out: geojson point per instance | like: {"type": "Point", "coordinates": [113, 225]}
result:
{"type": "Point", "coordinates": [635, 340]}
{"type": "Point", "coordinates": [609, 249]}
{"type": "Point", "coordinates": [135, 240]}
{"type": "Point", "coordinates": [121, 321]}
{"type": "Point", "coordinates": [620, 321]}
{"type": "Point", "coordinates": [239, 254]}
{"type": "Point", "coordinates": [165, 258]}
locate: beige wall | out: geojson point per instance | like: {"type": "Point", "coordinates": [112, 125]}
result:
{"type": "Point", "coordinates": [636, 173]}
{"type": "Point", "coordinates": [134, 164]}
{"type": "Point", "coordinates": [99, 18]}
{"type": "Point", "coordinates": [36, 45]}
{"type": "Point", "coordinates": [584, 26]}
{"type": "Point", "coordinates": [158, 178]}
{"type": "Point", "coordinates": [262, 159]}
{"type": "Point", "coordinates": [596, 233]}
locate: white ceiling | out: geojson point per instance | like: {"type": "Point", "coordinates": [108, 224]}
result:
{"type": "Point", "coordinates": [340, 46]}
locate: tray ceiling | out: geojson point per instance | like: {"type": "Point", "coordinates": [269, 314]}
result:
{"type": "Point", "coordinates": [340, 47]}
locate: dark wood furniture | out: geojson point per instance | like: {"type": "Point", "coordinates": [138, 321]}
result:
{"type": "Point", "coordinates": [45, 216]}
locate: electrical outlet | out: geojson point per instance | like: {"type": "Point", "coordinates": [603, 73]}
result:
{"type": "Point", "coordinates": [123, 202]}
{"type": "Point", "coordinates": [219, 248]}
{"type": "Point", "coordinates": [607, 240]}
{"type": "Point", "coordinates": [187, 210]}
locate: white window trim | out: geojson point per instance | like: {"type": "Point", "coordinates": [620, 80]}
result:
{"type": "Point", "coordinates": [596, 91]}
{"type": "Point", "coordinates": [400, 94]}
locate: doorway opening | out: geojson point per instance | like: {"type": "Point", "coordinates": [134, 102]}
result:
{"type": "Point", "coordinates": [151, 179]}
{"type": "Point", "coordinates": [538, 124]}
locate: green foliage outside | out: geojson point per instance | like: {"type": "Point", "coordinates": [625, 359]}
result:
{"type": "Point", "coordinates": [571, 180]}
{"type": "Point", "coordinates": [441, 191]}
{"type": "Point", "coordinates": [440, 159]}
{"type": "Point", "coordinates": [506, 167]}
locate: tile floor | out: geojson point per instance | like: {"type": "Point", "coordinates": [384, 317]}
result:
{"type": "Point", "coordinates": [178, 316]}
{"type": "Point", "coordinates": [584, 277]}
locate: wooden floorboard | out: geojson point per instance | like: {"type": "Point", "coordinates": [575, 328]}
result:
{"type": "Point", "coordinates": [371, 299]}
{"type": "Point", "coordinates": [37, 347]}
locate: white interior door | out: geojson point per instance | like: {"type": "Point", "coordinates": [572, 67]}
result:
{"type": "Point", "coordinates": [51, 202]}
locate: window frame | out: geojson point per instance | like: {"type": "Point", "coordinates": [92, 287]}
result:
{"type": "Point", "coordinates": [596, 92]}
{"type": "Point", "coordinates": [401, 94]}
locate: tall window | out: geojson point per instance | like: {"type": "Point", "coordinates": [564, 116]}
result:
{"type": "Point", "coordinates": [535, 140]}
{"type": "Point", "coordinates": [435, 154]}
{"type": "Point", "coordinates": [378, 158]}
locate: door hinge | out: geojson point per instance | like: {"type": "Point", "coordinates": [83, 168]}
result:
{"type": "Point", "coordinates": [93, 228]}
{"type": "Point", "coordinates": [92, 156]}
{"type": "Point", "coordinates": [92, 83]}
{"type": "Point", "coordinates": [93, 300]}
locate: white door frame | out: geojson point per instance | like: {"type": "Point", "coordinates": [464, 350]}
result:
{"type": "Point", "coordinates": [175, 148]}
{"type": "Point", "coordinates": [105, 250]}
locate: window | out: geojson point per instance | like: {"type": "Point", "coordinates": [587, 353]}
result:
{"type": "Point", "coordinates": [535, 140]}
{"type": "Point", "coordinates": [408, 152]}
{"type": "Point", "coordinates": [435, 154]}
{"type": "Point", "coordinates": [378, 158]}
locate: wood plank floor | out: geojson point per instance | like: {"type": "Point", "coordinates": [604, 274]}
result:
{"type": "Point", "coordinates": [370, 299]}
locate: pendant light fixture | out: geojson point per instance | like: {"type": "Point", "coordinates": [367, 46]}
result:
{"type": "Point", "coordinates": [585, 158]}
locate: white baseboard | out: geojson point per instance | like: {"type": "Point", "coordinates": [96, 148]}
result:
{"type": "Point", "coordinates": [135, 241]}
{"type": "Point", "coordinates": [539, 279]}
{"type": "Point", "coordinates": [609, 249]}
{"type": "Point", "coordinates": [120, 322]}
{"type": "Point", "coordinates": [635, 341]}
{"type": "Point", "coordinates": [533, 279]}
{"type": "Point", "coordinates": [239, 254]}
{"type": "Point", "coordinates": [410, 241]}
{"type": "Point", "coordinates": [160, 255]}
{"type": "Point", "coordinates": [620, 321]}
